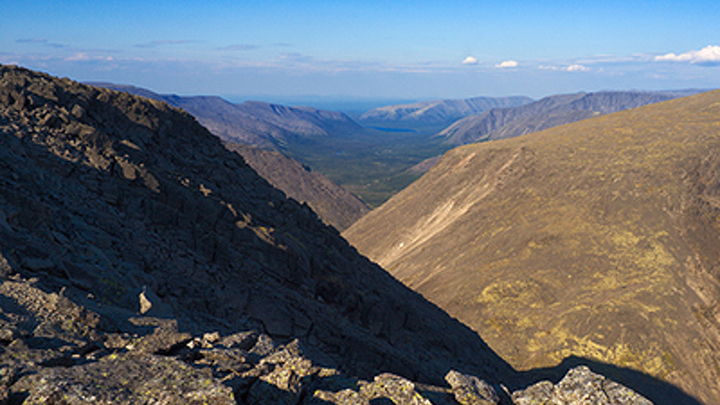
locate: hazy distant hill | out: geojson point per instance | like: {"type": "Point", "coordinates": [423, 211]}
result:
{"type": "Point", "coordinates": [254, 123]}
{"type": "Point", "coordinates": [335, 205]}
{"type": "Point", "coordinates": [596, 239]}
{"type": "Point", "coordinates": [437, 111]}
{"type": "Point", "coordinates": [499, 123]}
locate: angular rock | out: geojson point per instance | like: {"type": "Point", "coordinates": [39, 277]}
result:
{"type": "Point", "coordinates": [580, 386]}
{"type": "Point", "coordinates": [470, 390]}
{"type": "Point", "coordinates": [399, 390]}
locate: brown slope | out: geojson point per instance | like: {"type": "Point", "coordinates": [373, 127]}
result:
{"type": "Point", "coordinates": [596, 239]}
{"type": "Point", "coordinates": [111, 202]}
{"type": "Point", "coordinates": [333, 204]}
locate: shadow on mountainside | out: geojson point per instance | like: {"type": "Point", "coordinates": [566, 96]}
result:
{"type": "Point", "coordinates": [657, 391]}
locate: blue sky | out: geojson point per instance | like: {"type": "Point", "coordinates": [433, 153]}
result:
{"type": "Point", "coordinates": [369, 49]}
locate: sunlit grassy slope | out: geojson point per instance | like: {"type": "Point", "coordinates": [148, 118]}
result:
{"type": "Point", "coordinates": [598, 239]}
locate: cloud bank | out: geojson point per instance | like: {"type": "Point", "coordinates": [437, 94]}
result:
{"type": "Point", "coordinates": [708, 56]}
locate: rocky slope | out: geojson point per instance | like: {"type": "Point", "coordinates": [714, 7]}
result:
{"type": "Point", "coordinates": [501, 123]}
{"type": "Point", "coordinates": [333, 204]}
{"type": "Point", "coordinates": [595, 239]}
{"type": "Point", "coordinates": [437, 111]}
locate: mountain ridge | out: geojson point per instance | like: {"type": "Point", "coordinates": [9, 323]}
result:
{"type": "Point", "coordinates": [550, 111]}
{"type": "Point", "coordinates": [255, 123]}
{"type": "Point", "coordinates": [438, 112]}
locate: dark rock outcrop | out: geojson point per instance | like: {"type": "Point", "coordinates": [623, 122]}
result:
{"type": "Point", "coordinates": [108, 197]}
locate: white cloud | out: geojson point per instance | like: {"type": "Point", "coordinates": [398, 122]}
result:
{"type": "Point", "coordinates": [710, 56]}
{"type": "Point", "coordinates": [576, 68]}
{"type": "Point", "coordinates": [470, 60]}
{"type": "Point", "coordinates": [571, 68]}
{"type": "Point", "coordinates": [507, 64]}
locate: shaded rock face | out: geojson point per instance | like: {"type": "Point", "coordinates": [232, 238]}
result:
{"type": "Point", "coordinates": [596, 239]}
{"type": "Point", "coordinates": [125, 208]}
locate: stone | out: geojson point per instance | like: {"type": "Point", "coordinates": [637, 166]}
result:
{"type": "Point", "coordinates": [537, 394]}
{"type": "Point", "coordinates": [150, 304]}
{"type": "Point", "coordinates": [470, 390]}
{"type": "Point", "coordinates": [580, 386]}
{"type": "Point", "coordinates": [398, 389]}
{"type": "Point", "coordinates": [344, 397]}
{"type": "Point", "coordinates": [622, 395]}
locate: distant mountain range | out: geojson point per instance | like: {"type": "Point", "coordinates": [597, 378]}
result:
{"type": "Point", "coordinates": [596, 239]}
{"type": "Point", "coordinates": [437, 112]}
{"type": "Point", "coordinates": [255, 123]}
{"type": "Point", "coordinates": [500, 123]}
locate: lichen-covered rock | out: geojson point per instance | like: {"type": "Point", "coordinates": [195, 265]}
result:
{"type": "Point", "coordinates": [580, 386]}
{"type": "Point", "coordinates": [127, 379]}
{"type": "Point", "coordinates": [285, 383]}
{"type": "Point", "coordinates": [344, 397]}
{"type": "Point", "coordinates": [399, 390]}
{"type": "Point", "coordinates": [470, 390]}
